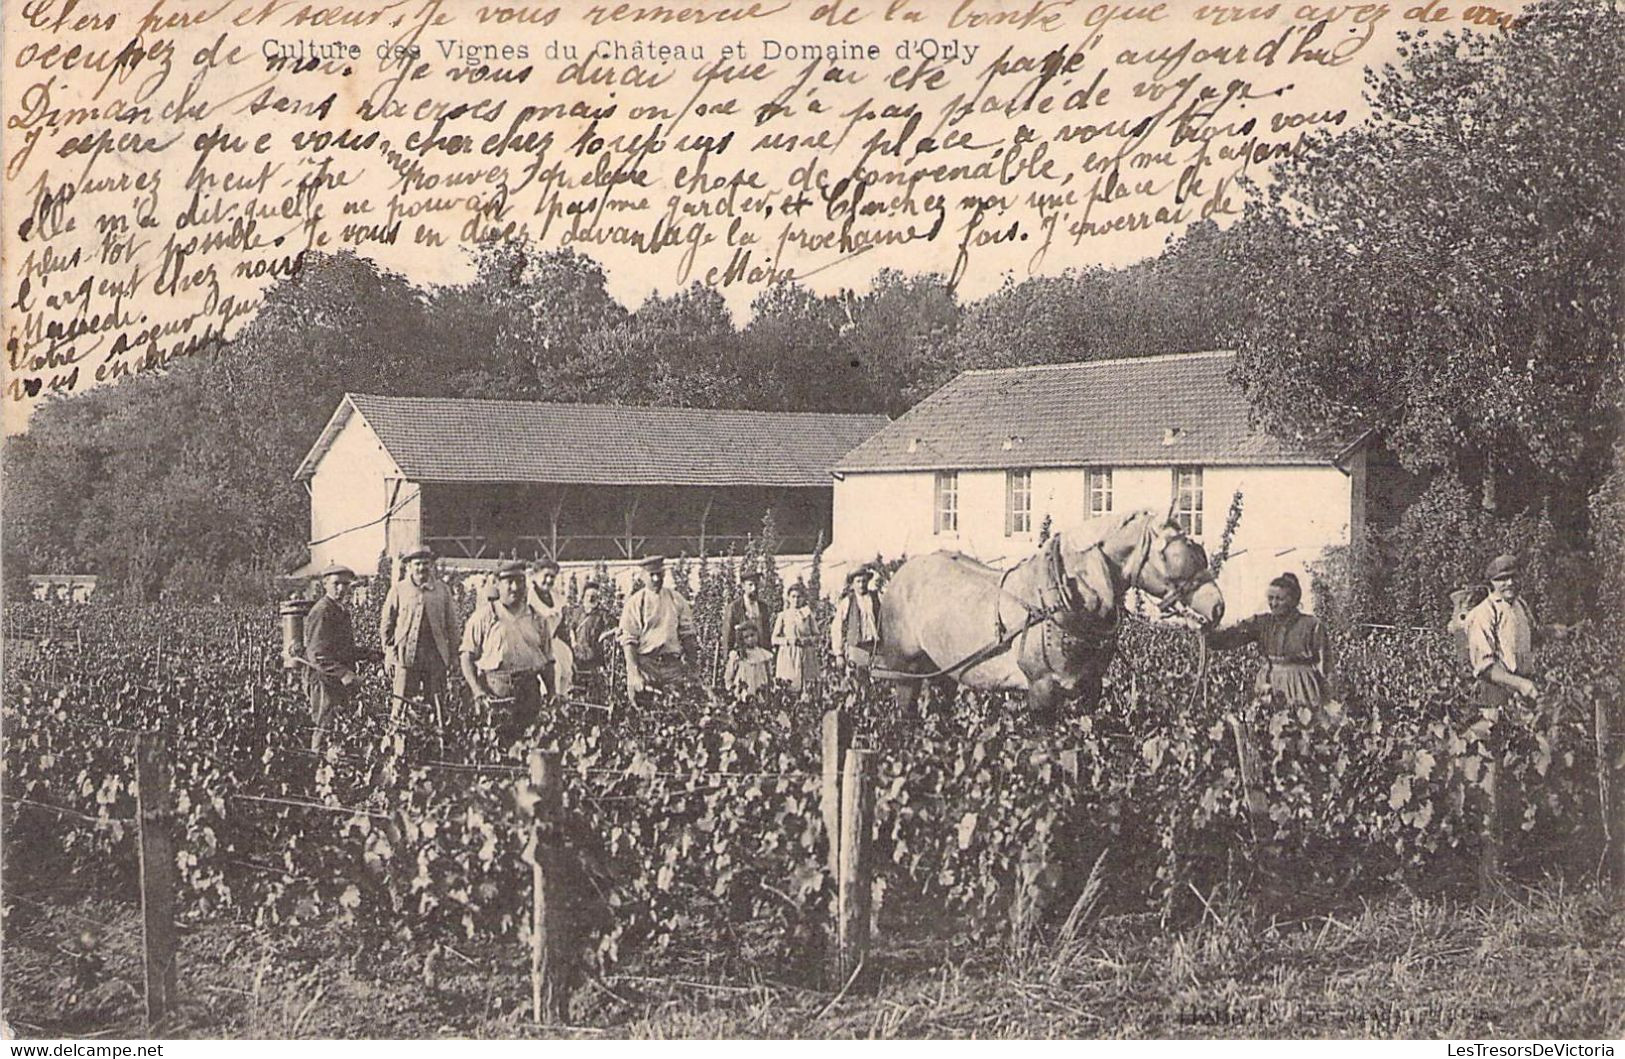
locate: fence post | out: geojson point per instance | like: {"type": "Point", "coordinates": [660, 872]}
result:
{"type": "Point", "coordinates": [837, 738]}
{"type": "Point", "coordinates": [155, 810]}
{"type": "Point", "coordinates": [853, 893]}
{"type": "Point", "coordinates": [552, 956]}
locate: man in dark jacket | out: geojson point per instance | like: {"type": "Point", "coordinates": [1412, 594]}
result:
{"type": "Point", "coordinates": [330, 649]}
{"type": "Point", "coordinates": [418, 629]}
{"type": "Point", "coordinates": [747, 608]}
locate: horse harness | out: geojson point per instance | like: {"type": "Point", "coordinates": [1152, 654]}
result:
{"type": "Point", "coordinates": [1181, 589]}
{"type": "Point", "coordinates": [1065, 599]}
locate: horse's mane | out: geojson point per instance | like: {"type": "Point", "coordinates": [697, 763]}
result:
{"type": "Point", "coordinates": [1098, 529]}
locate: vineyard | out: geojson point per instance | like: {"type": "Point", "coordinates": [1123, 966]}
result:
{"type": "Point", "coordinates": [695, 832]}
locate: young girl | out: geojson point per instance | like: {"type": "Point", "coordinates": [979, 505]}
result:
{"type": "Point", "coordinates": [747, 672]}
{"type": "Point", "coordinates": [796, 638]}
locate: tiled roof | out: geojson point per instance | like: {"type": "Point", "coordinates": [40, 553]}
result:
{"type": "Point", "coordinates": [458, 440]}
{"type": "Point", "coordinates": [1174, 409]}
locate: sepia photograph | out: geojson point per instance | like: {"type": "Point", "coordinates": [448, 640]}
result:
{"type": "Point", "coordinates": [777, 519]}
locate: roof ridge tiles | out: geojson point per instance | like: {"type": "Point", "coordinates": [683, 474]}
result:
{"type": "Point", "coordinates": [1202, 354]}
{"type": "Point", "coordinates": [603, 406]}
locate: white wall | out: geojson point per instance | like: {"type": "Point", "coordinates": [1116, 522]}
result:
{"type": "Point", "coordinates": [349, 489]}
{"type": "Point", "coordinates": [1290, 514]}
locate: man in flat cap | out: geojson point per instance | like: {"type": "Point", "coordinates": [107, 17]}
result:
{"type": "Point", "coordinates": [418, 628]}
{"type": "Point", "coordinates": [507, 654]}
{"type": "Point", "coordinates": [1502, 634]}
{"type": "Point", "coordinates": [331, 654]}
{"type": "Point", "coordinates": [855, 632]}
{"type": "Point", "coordinates": [746, 609]}
{"type": "Point", "coordinates": [657, 631]}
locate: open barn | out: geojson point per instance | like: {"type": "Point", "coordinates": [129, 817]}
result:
{"type": "Point", "coordinates": [477, 479]}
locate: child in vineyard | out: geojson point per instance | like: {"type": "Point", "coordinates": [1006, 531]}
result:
{"type": "Point", "coordinates": [748, 664]}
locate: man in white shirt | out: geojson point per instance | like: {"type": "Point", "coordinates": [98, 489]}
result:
{"type": "Point", "coordinates": [657, 630]}
{"type": "Point", "coordinates": [507, 654]}
{"type": "Point", "coordinates": [1501, 637]}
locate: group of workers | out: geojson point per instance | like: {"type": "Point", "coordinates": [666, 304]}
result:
{"type": "Point", "coordinates": [523, 642]}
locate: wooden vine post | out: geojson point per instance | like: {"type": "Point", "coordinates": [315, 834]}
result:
{"type": "Point", "coordinates": [837, 739]}
{"type": "Point", "coordinates": [552, 951]}
{"type": "Point", "coordinates": [854, 889]}
{"type": "Point", "coordinates": [155, 813]}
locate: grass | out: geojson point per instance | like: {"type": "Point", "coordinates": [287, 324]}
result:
{"type": "Point", "coordinates": [1542, 962]}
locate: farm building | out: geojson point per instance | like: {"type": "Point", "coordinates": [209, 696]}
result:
{"type": "Point", "coordinates": [979, 465]}
{"type": "Point", "coordinates": [480, 479]}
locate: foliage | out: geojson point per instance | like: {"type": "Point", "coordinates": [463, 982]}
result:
{"type": "Point", "coordinates": [1607, 506]}
{"type": "Point", "coordinates": [1444, 541]}
{"type": "Point", "coordinates": [1489, 349]}
{"type": "Point", "coordinates": [1232, 519]}
{"type": "Point", "coordinates": [1347, 584]}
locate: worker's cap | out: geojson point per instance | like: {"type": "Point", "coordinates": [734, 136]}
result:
{"type": "Point", "coordinates": [417, 553]}
{"type": "Point", "coordinates": [746, 626]}
{"type": "Point", "coordinates": [545, 564]}
{"type": "Point", "coordinates": [750, 575]}
{"type": "Point", "coordinates": [515, 569]}
{"type": "Point", "coordinates": [1501, 566]}
{"type": "Point", "coordinates": [654, 564]}
{"type": "Point", "coordinates": [343, 573]}
{"type": "Point", "coordinates": [863, 571]}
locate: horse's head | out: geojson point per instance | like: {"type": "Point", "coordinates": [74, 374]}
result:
{"type": "Point", "coordinates": [1174, 569]}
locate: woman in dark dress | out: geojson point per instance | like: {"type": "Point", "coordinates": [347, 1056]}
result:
{"type": "Point", "coordinates": [1297, 657]}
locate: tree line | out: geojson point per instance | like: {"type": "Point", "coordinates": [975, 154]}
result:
{"type": "Point", "coordinates": [1446, 272]}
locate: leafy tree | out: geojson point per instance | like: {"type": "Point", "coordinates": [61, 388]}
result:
{"type": "Point", "coordinates": [1178, 302]}
{"type": "Point", "coordinates": [1449, 268]}
{"type": "Point", "coordinates": [526, 314]}
{"type": "Point", "coordinates": [798, 353]}
{"type": "Point", "coordinates": [1039, 320]}
{"type": "Point", "coordinates": [679, 351]}
{"type": "Point", "coordinates": [901, 333]}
